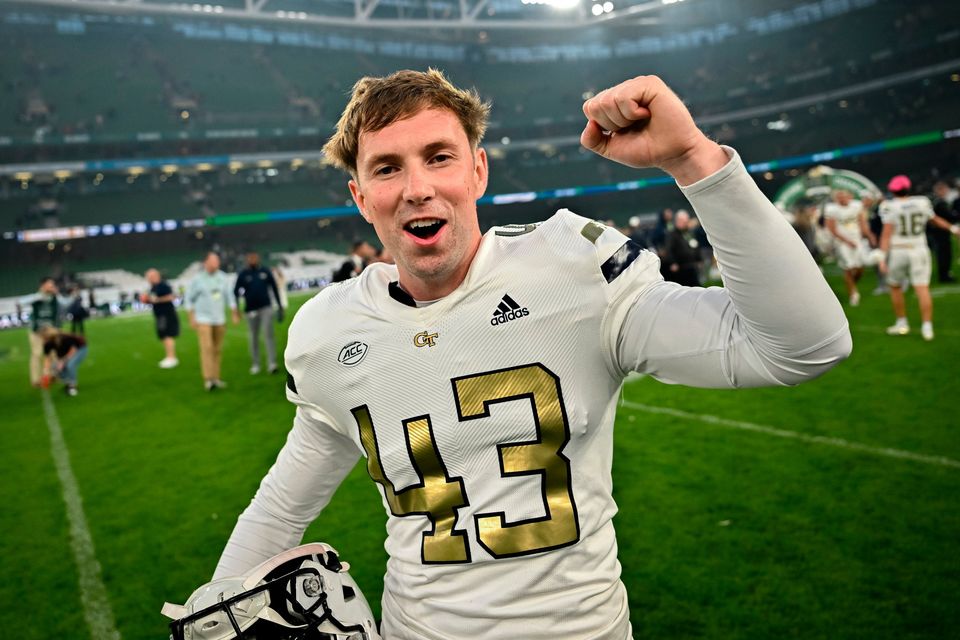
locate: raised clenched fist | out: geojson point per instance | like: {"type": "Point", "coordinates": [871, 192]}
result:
{"type": "Point", "coordinates": [642, 123]}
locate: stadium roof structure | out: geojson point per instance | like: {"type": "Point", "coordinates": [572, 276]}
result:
{"type": "Point", "coordinates": [563, 15]}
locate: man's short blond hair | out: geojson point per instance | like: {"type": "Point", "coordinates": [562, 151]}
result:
{"type": "Point", "coordinates": [376, 103]}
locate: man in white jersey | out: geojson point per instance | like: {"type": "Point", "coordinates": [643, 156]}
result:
{"type": "Point", "coordinates": [904, 237]}
{"type": "Point", "coordinates": [846, 220]}
{"type": "Point", "coordinates": [479, 376]}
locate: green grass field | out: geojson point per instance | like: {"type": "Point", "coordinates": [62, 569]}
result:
{"type": "Point", "coordinates": [725, 531]}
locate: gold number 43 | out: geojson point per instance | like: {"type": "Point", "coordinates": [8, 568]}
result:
{"type": "Point", "coordinates": [438, 495]}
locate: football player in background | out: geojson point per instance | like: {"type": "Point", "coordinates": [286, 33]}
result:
{"type": "Point", "coordinates": [480, 375]}
{"type": "Point", "coordinates": [846, 220]}
{"type": "Point", "coordinates": [904, 236]}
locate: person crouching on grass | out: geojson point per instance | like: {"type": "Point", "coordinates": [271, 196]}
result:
{"type": "Point", "coordinates": [64, 352]}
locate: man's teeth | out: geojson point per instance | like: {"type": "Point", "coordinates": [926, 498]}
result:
{"type": "Point", "coordinates": [416, 224]}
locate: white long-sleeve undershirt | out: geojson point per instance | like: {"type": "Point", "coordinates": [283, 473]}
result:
{"type": "Point", "coordinates": [775, 322]}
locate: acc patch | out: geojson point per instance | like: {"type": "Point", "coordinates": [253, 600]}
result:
{"type": "Point", "coordinates": [352, 354]}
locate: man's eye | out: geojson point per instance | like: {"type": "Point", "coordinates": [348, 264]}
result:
{"type": "Point", "coordinates": [384, 171]}
{"type": "Point", "coordinates": [441, 157]}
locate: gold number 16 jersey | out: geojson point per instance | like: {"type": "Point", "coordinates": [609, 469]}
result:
{"type": "Point", "coordinates": [486, 418]}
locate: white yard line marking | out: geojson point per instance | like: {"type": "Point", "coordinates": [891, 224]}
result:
{"type": "Point", "coordinates": [914, 330]}
{"type": "Point", "coordinates": [93, 594]}
{"type": "Point", "coordinates": [939, 292]}
{"type": "Point", "coordinates": [794, 435]}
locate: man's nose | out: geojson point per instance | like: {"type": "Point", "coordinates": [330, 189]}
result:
{"type": "Point", "coordinates": [417, 188]}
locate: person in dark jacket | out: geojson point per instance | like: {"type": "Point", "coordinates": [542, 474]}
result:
{"type": "Point", "coordinates": [361, 254]}
{"type": "Point", "coordinates": [658, 236]}
{"type": "Point", "coordinates": [161, 297]}
{"type": "Point", "coordinates": [255, 283]}
{"type": "Point", "coordinates": [946, 204]}
{"type": "Point", "coordinates": [77, 312]}
{"type": "Point", "coordinates": [63, 352]}
{"type": "Point", "coordinates": [682, 255]}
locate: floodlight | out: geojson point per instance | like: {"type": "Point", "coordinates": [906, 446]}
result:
{"type": "Point", "coordinates": [556, 4]}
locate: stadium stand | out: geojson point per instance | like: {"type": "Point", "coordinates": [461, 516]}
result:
{"type": "Point", "coordinates": [167, 87]}
{"type": "Point", "coordinates": [75, 83]}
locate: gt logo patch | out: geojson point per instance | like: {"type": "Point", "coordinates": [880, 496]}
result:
{"type": "Point", "coordinates": [352, 354]}
{"type": "Point", "coordinates": [424, 339]}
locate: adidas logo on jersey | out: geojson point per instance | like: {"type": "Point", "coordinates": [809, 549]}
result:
{"type": "Point", "coordinates": [508, 310]}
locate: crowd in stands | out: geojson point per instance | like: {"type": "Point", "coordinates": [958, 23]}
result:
{"type": "Point", "coordinates": [158, 87]}
{"type": "Point", "coordinates": [167, 83]}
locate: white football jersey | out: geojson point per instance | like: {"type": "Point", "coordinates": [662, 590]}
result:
{"type": "Point", "coordinates": [847, 217]}
{"type": "Point", "coordinates": [487, 420]}
{"type": "Point", "coordinates": [909, 217]}
{"type": "Point", "coordinates": [486, 417]}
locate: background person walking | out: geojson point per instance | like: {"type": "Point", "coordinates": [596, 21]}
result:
{"type": "Point", "coordinates": [206, 296]}
{"type": "Point", "coordinates": [255, 283]}
{"type": "Point", "coordinates": [161, 297]}
{"type": "Point", "coordinates": [44, 312]}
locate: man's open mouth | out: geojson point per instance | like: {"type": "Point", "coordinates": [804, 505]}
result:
{"type": "Point", "coordinates": [424, 229]}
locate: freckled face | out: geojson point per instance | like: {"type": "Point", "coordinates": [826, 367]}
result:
{"type": "Point", "coordinates": [417, 183]}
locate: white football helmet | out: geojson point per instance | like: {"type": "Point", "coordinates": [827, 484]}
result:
{"type": "Point", "coordinates": [301, 594]}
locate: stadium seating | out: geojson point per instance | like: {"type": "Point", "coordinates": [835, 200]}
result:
{"type": "Point", "coordinates": [112, 83]}
{"type": "Point", "coordinates": [886, 113]}
{"type": "Point", "coordinates": [133, 79]}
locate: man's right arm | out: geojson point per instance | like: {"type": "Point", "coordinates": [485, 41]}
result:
{"type": "Point", "coordinates": [775, 322]}
{"type": "Point", "coordinates": [831, 224]}
{"type": "Point", "coordinates": [190, 301]}
{"type": "Point", "coordinates": [310, 467]}
{"type": "Point", "coordinates": [161, 293]}
{"type": "Point", "coordinates": [237, 287]}
{"type": "Point", "coordinates": [190, 297]}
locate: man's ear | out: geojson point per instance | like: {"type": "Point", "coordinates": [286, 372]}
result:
{"type": "Point", "coordinates": [482, 171]}
{"type": "Point", "coordinates": [358, 198]}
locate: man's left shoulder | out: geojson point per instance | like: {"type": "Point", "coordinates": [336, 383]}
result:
{"type": "Point", "coordinates": [564, 229]}
{"type": "Point", "coordinates": [578, 242]}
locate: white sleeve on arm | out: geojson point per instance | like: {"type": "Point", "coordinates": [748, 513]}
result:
{"type": "Point", "coordinates": [310, 467]}
{"type": "Point", "coordinates": [228, 294]}
{"type": "Point", "coordinates": [775, 322]}
{"type": "Point", "coordinates": [189, 297]}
